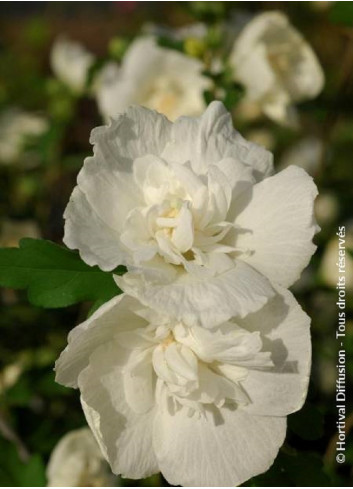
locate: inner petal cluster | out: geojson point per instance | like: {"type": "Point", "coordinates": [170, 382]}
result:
{"type": "Point", "coordinates": [184, 216]}
{"type": "Point", "coordinates": [193, 368]}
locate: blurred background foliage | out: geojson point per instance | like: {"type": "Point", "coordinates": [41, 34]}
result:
{"type": "Point", "coordinates": [36, 182]}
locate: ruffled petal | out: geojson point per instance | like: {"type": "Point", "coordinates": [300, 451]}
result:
{"type": "Point", "coordinates": [211, 138]}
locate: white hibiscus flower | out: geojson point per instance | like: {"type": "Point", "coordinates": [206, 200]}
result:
{"type": "Point", "coordinates": [183, 207]}
{"type": "Point", "coordinates": [204, 407]}
{"type": "Point", "coordinates": [70, 62]}
{"type": "Point", "coordinates": [157, 78]}
{"type": "Point", "coordinates": [77, 461]}
{"type": "Point", "coordinates": [276, 65]}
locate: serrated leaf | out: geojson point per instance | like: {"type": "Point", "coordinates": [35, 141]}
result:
{"type": "Point", "coordinates": [54, 276]}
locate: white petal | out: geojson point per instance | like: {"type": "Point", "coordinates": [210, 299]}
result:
{"type": "Point", "coordinates": [125, 437]}
{"type": "Point", "coordinates": [96, 241]}
{"type": "Point", "coordinates": [138, 381]}
{"type": "Point", "coordinates": [110, 193]}
{"type": "Point", "coordinates": [285, 329]}
{"type": "Point", "coordinates": [211, 138]}
{"type": "Point", "coordinates": [239, 175]}
{"type": "Point", "coordinates": [280, 220]}
{"type": "Point", "coordinates": [114, 316]}
{"type": "Point", "coordinates": [183, 234]}
{"type": "Point", "coordinates": [220, 193]}
{"type": "Point", "coordinates": [235, 292]}
{"type": "Point", "coordinates": [182, 361]}
{"type": "Point", "coordinates": [137, 236]}
{"type": "Point", "coordinates": [223, 448]}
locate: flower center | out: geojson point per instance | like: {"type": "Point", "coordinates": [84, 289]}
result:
{"type": "Point", "coordinates": [193, 367]}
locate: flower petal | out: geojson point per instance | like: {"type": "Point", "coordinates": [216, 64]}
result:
{"type": "Point", "coordinates": [280, 218]}
{"type": "Point", "coordinates": [211, 138]}
{"type": "Point", "coordinates": [124, 436]}
{"type": "Point", "coordinates": [220, 448]}
{"type": "Point", "coordinates": [113, 317]}
{"type": "Point", "coordinates": [96, 241]}
{"type": "Point", "coordinates": [285, 329]}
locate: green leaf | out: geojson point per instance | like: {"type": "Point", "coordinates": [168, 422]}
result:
{"type": "Point", "coordinates": [53, 275]}
{"type": "Point", "coordinates": [307, 423]}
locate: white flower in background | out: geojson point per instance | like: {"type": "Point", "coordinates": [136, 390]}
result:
{"type": "Point", "coordinates": [306, 153]}
{"type": "Point", "coordinates": [12, 231]}
{"type": "Point", "coordinates": [77, 461]}
{"type": "Point", "coordinates": [17, 128]}
{"type": "Point", "coordinates": [184, 206]}
{"type": "Point", "coordinates": [276, 65]}
{"type": "Point", "coordinates": [204, 407]}
{"type": "Point", "coordinates": [70, 62]}
{"type": "Point", "coordinates": [329, 269]}
{"type": "Point", "coordinates": [157, 78]}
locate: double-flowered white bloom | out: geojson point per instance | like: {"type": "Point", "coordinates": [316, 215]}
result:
{"type": "Point", "coordinates": [206, 407]}
{"type": "Point", "coordinates": [276, 65]}
{"type": "Point", "coordinates": [193, 212]}
{"type": "Point", "coordinates": [157, 78]}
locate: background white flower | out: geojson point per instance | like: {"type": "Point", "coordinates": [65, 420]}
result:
{"type": "Point", "coordinates": [204, 407]}
{"type": "Point", "coordinates": [70, 62]}
{"type": "Point", "coordinates": [276, 65]}
{"type": "Point", "coordinates": [154, 77]}
{"type": "Point", "coordinates": [77, 461]}
{"type": "Point", "coordinates": [184, 207]}
{"type": "Point", "coordinates": [17, 127]}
